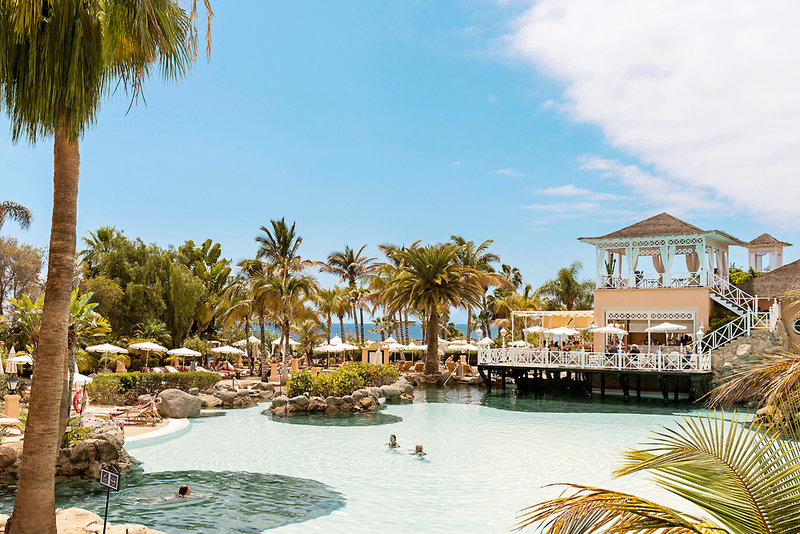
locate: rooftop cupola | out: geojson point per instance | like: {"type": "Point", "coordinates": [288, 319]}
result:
{"type": "Point", "coordinates": [765, 246]}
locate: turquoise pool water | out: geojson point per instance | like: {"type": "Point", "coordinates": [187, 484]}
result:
{"type": "Point", "coordinates": [488, 456]}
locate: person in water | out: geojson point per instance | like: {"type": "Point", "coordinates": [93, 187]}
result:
{"type": "Point", "coordinates": [184, 491]}
{"type": "Point", "coordinates": [393, 442]}
{"type": "Point", "coordinates": [418, 451]}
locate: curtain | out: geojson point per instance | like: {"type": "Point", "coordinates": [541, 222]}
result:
{"type": "Point", "coordinates": [720, 262]}
{"type": "Point", "coordinates": [658, 263]}
{"type": "Point", "coordinates": [693, 262]}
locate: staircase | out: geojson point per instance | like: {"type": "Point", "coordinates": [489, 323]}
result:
{"type": "Point", "coordinates": [743, 305]}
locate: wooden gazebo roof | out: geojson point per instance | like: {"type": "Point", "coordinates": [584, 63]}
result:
{"type": "Point", "coordinates": [662, 224]}
{"type": "Point", "coordinates": [766, 240]}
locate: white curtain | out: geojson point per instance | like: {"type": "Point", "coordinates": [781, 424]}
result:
{"type": "Point", "coordinates": [658, 263]}
{"type": "Point", "coordinates": [721, 262]}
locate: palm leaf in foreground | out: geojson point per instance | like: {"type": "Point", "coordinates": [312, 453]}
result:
{"type": "Point", "coordinates": [588, 510]}
{"type": "Point", "coordinates": [745, 477]}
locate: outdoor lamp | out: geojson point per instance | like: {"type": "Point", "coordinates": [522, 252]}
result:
{"type": "Point", "coordinates": [503, 333]}
{"type": "Point", "coordinates": [12, 382]}
{"type": "Point", "coordinates": [700, 332]}
{"type": "Point", "coordinates": [479, 333]}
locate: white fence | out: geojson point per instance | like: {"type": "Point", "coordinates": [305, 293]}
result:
{"type": "Point", "coordinates": [554, 359]}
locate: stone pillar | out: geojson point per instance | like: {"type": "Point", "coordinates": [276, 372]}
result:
{"type": "Point", "coordinates": [12, 405]}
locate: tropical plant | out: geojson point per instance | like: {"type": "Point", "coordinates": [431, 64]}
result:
{"type": "Point", "coordinates": [327, 307]}
{"type": "Point", "coordinates": [57, 60]}
{"type": "Point", "coordinates": [288, 292]}
{"type": "Point", "coordinates": [308, 335]}
{"type": "Point", "coordinates": [207, 265]}
{"type": "Point", "coordinates": [432, 278]}
{"type": "Point", "coordinates": [351, 266]}
{"type": "Point", "coordinates": [16, 212]}
{"type": "Point", "coordinates": [279, 247]}
{"type": "Point", "coordinates": [744, 477]}
{"type": "Point", "coordinates": [565, 291]}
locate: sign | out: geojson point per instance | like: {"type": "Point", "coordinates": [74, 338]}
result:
{"type": "Point", "coordinates": [109, 477]}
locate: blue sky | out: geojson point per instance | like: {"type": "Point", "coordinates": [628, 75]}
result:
{"type": "Point", "coordinates": [392, 121]}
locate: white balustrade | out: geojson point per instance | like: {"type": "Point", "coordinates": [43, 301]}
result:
{"type": "Point", "coordinates": [543, 357]}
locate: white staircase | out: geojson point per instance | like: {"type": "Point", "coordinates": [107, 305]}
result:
{"type": "Point", "coordinates": [743, 305]}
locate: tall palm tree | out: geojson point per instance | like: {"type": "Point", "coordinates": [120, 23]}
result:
{"type": "Point", "coordinates": [432, 278]}
{"type": "Point", "coordinates": [288, 293]}
{"type": "Point", "coordinates": [566, 290]}
{"type": "Point", "coordinates": [327, 307]}
{"type": "Point", "coordinates": [57, 60]}
{"type": "Point", "coordinates": [308, 335]}
{"type": "Point", "coordinates": [351, 266]}
{"type": "Point", "coordinates": [341, 308]}
{"type": "Point", "coordinates": [479, 258]}
{"type": "Point", "coordinates": [16, 212]}
{"type": "Point", "coordinates": [279, 247]}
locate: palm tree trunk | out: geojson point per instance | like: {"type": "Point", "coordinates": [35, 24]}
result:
{"type": "Point", "coordinates": [67, 395]}
{"type": "Point", "coordinates": [469, 321]}
{"type": "Point", "coordinates": [405, 325]}
{"type": "Point", "coordinates": [432, 357]}
{"type": "Point", "coordinates": [330, 321]}
{"type": "Point", "coordinates": [361, 311]}
{"type": "Point", "coordinates": [355, 321]}
{"type": "Point", "coordinates": [285, 329]}
{"type": "Point", "coordinates": [341, 326]}
{"type": "Point", "coordinates": [34, 508]}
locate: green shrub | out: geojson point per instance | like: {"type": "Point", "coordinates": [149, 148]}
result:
{"type": "Point", "coordinates": [111, 388]}
{"type": "Point", "coordinates": [344, 381]}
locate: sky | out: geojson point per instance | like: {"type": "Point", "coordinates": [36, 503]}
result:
{"type": "Point", "coordinates": [531, 123]}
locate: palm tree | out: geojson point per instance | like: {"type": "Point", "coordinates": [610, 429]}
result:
{"type": "Point", "coordinates": [432, 278]}
{"type": "Point", "coordinates": [57, 60]}
{"type": "Point", "coordinates": [279, 247]}
{"type": "Point", "coordinates": [327, 302]}
{"type": "Point", "coordinates": [341, 308]}
{"type": "Point", "coordinates": [308, 335]}
{"type": "Point", "coordinates": [153, 330]}
{"type": "Point", "coordinates": [97, 244]}
{"type": "Point", "coordinates": [288, 293]}
{"type": "Point", "coordinates": [566, 291]}
{"type": "Point", "coordinates": [744, 477]}
{"type": "Point", "coordinates": [16, 212]}
{"type": "Point", "coordinates": [351, 266]}
{"type": "Point", "coordinates": [479, 258]}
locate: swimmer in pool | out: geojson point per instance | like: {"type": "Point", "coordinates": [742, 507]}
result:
{"type": "Point", "coordinates": [418, 451]}
{"type": "Point", "coordinates": [183, 493]}
{"type": "Point", "coordinates": [393, 442]}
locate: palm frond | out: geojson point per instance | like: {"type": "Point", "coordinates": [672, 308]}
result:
{"type": "Point", "coordinates": [588, 510]}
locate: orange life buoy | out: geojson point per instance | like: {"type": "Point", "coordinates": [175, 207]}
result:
{"type": "Point", "coordinates": [79, 400]}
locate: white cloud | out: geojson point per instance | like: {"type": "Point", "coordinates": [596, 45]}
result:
{"type": "Point", "coordinates": [492, 99]}
{"type": "Point", "coordinates": [704, 93]}
{"type": "Point", "coordinates": [571, 190]}
{"type": "Point", "coordinates": [510, 172]}
{"type": "Point", "coordinates": [455, 164]}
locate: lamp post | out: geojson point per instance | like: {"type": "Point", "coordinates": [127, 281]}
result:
{"type": "Point", "coordinates": [12, 399]}
{"type": "Point", "coordinates": [478, 333]}
{"type": "Point", "coordinates": [503, 333]}
{"type": "Point", "coordinates": [699, 338]}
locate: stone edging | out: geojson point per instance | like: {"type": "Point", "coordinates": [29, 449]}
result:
{"type": "Point", "coordinates": [174, 425]}
{"type": "Point", "coordinates": [366, 399]}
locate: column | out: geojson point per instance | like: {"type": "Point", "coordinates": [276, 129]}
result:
{"type": "Point", "coordinates": [701, 257]}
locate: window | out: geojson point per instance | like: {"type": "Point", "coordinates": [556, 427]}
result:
{"type": "Point", "coordinates": [796, 326]}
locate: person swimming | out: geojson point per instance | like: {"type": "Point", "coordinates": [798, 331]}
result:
{"type": "Point", "coordinates": [418, 451]}
{"type": "Point", "coordinates": [183, 491]}
{"type": "Point", "coordinates": [393, 442]}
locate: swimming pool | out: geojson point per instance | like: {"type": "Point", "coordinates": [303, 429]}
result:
{"type": "Point", "coordinates": [488, 456]}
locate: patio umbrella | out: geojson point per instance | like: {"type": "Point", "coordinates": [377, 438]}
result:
{"type": "Point", "coordinates": [12, 363]}
{"type": "Point", "coordinates": [413, 346]}
{"type": "Point", "coordinates": [613, 330]}
{"type": "Point", "coordinates": [465, 347]}
{"type": "Point", "coordinates": [336, 340]}
{"type": "Point", "coordinates": [253, 340]}
{"type": "Point", "coordinates": [107, 348]}
{"type": "Point", "coordinates": [183, 352]}
{"type": "Point", "coordinates": [533, 329]}
{"type": "Point", "coordinates": [666, 327]}
{"type": "Point", "coordinates": [518, 343]}
{"type": "Point", "coordinates": [389, 341]}
{"type": "Point", "coordinates": [561, 331]}
{"type": "Point", "coordinates": [396, 347]}
{"type": "Point", "coordinates": [486, 342]}
{"type": "Point", "coordinates": [227, 349]}
{"type": "Point", "coordinates": [81, 380]}
{"type": "Point", "coordinates": [292, 342]}
{"type": "Point", "coordinates": [147, 347]}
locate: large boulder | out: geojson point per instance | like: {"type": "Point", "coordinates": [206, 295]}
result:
{"type": "Point", "coordinates": [8, 455]}
{"type": "Point", "coordinates": [209, 401]}
{"type": "Point", "coordinates": [104, 429]}
{"type": "Point", "coordinates": [390, 392]}
{"type": "Point", "coordinates": [103, 446]}
{"type": "Point", "coordinates": [299, 400]}
{"type": "Point", "coordinates": [177, 404]}
{"type": "Point", "coordinates": [279, 401]}
{"type": "Point", "coordinates": [227, 397]}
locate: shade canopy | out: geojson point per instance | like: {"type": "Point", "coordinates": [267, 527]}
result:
{"type": "Point", "coordinates": [389, 341]}
{"type": "Point", "coordinates": [292, 342]}
{"type": "Point", "coordinates": [348, 346]}
{"type": "Point", "coordinates": [253, 340]}
{"type": "Point", "coordinates": [21, 359]}
{"type": "Point", "coordinates": [330, 347]}
{"type": "Point", "coordinates": [413, 346]}
{"type": "Point", "coordinates": [147, 347]}
{"type": "Point", "coordinates": [184, 352]}
{"type": "Point", "coordinates": [533, 329]}
{"type": "Point", "coordinates": [666, 327]}
{"type": "Point", "coordinates": [107, 347]}
{"type": "Point", "coordinates": [395, 347]}
{"type": "Point", "coordinates": [227, 349]}
{"type": "Point", "coordinates": [518, 343]}
{"type": "Point", "coordinates": [613, 330]}
{"type": "Point", "coordinates": [466, 347]}
{"type": "Point", "coordinates": [486, 342]}
{"type": "Point", "coordinates": [336, 340]}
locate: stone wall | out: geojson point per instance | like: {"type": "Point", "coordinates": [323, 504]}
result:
{"type": "Point", "coordinates": [726, 359]}
{"type": "Point", "coordinates": [362, 400]}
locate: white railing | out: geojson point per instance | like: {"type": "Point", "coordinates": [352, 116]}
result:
{"type": "Point", "coordinates": [731, 293]}
{"type": "Point", "coordinates": [650, 281]}
{"type": "Point", "coordinates": [612, 282]}
{"type": "Point", "coordinates": [725, 334]}
{"type": "Point", "coordinates": [774, 315]}
{"type": "Point", "coordinates": [555, 359]}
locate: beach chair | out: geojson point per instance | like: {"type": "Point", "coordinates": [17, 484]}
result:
{"type": "Point", "coordinates": [450, 367]}
{"type": "Point", "coordinates": [144, 414]}
{"type": "Point", "coordinates": [171, 369]}
{"type": "Point", "coordinates": [7, 422]}
{"type": "Point", "coordinates": [419, 367]}
{"type": "Point", "coordinates": [468, 370]}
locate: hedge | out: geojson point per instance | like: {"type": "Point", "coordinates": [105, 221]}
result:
{"type": "Point", "coordinates": [344, 381]}
{"type": "Point", "coordinates": [112, 388]}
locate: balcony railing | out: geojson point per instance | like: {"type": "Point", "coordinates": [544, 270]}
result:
{"type": "Point", "coordinates": [542, 357]}
{"type": "Point", "coordinates": [650, 281]}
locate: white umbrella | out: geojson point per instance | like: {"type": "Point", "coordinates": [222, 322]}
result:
{"type": "Point", "coordinates": [390, 341]}
{"type": "Point", "coordinates": [666, 327]}
{"type": "Point", "coordinates": [253, 340]}
{"type": "Point", "coordinates": [329, 347]}
{"type": "Point", "coordinates": [21, 359]}
{"type": "Point", "coordinates": [147, 347]}
{"type": "Point", "coordinates": [183, 352]}
{"type": "Point", "coordinates": [292, 342]}
{"type": "Point", "coordinates": [518, 343]}
{"type": "Point", "coordinates": [413, 346]}
{"type": "Point", "coordinates": [348, 346]}
{"type": "Point", "coordinates": [106, 348]}
{"type": "Point", "coordinates": [533, 329]}
{"type": "Point", "coordinates": [227, 349]}
{"type": "Point", "coordinates": [396, 347]}
{"type": "Point", "coordinates": [81, 380]}
{"type": "Point", "coordinates": [336, 340]}
{"type": "Point", "coordinates": [465, 347]}
{"type": "Point", "coordinates": [608, 329]}
{"type": "Point", "coordinates": [486, 342]}
{"type": "Point", "coordinates": [561, 331]}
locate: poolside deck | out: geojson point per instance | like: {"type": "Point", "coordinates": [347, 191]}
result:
{"type": "Point", "coordinates": [522, 362]}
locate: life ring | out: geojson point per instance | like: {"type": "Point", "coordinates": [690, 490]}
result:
{"type": "Point", "coordinates": [79, 400]}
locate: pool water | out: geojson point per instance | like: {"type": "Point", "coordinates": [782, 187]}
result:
{"type": "Point", "coordinates": [488, 456]}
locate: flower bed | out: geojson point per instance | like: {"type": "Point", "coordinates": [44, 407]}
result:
{"type": "Point", "coordinates": [344, 381]}
{"type": "Point", "coordinates": [116, 388]}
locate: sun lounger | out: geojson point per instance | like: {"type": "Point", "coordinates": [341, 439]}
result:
{"type": "Point", "coordinates": [144, 414]}
{"type": "Point", "coordinates": [468, 370]}
{"type": "Point", "coordinates": [171, 369]}
{"type": "Point", "coordinates": [419, 367]}
{"type": "Point", "coordinates": [11, 422]}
